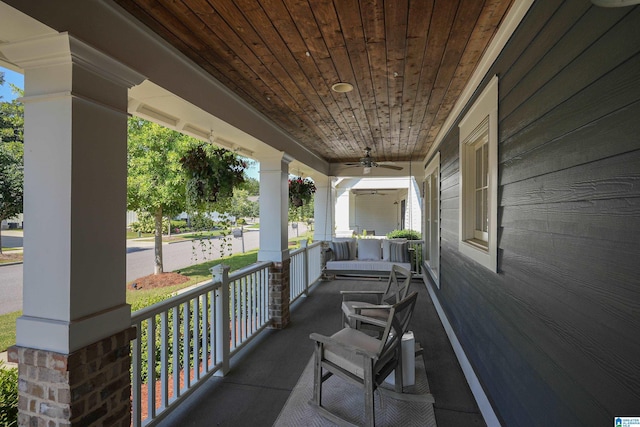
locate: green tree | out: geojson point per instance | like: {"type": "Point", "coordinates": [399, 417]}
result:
{"type": "Point", "coordinates": [12, 118]}
{"type": "Point", "coordinates": [241, 205]}
{"type": "Point", "coordinates": [156, 182]}
{"type": "Point", "coordinates": [11, 157]}
{"type": "Point", "coordinates": [252, 186]}
{"type": "Point", "coordinates": [302, 213]}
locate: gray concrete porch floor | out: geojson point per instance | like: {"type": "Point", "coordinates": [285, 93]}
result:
{"type": "Point", "coordinates": [264, 373]}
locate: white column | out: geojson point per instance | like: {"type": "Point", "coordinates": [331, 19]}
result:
{"type": "Point", "coordinates": [75, 193]}
{"type": "Point", "coordinates": [324, 208]}
{"type": "Point", "coordinates": [343, 214]}
{"type": "Point", "coordinates": [274, 207]}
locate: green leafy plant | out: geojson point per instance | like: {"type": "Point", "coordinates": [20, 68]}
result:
{"type": "Point", "coordinates": [146, 223]}
{"type": "Point", "coordinates": [300, 190]}
{"type": "Point", "coordinates": [404, 234]}
{"type": "Point", "coordinates": [8, 396]}
{"type": "Point", "coordinates": [212, 173]}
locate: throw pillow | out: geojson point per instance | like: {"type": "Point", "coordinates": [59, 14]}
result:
{"type": "Point", "coordinates": [369, 249]}
{"type": "Point", "coordinates": [386, 248]}
{"type": "Point", "coordinates": [340, 251]}
{"type": "Point", "coordinates": [398, 252]}
{"type": "Point", "coordinates": [352, 245]}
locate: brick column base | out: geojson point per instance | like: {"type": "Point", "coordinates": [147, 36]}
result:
{"type": "Point", "coordinates": [91, 386]}
{"type": "Point", "coordinates": [279, 297]}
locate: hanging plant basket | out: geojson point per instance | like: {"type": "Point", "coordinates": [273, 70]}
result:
{"type": "Point", "coordinates": [301, 191]}
{"type": "Point", "coordinates": [212, 172]}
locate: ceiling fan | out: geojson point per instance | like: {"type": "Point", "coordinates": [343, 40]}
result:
{"type": "Point", "coordinates": [367, 163]}
{"type": "Point", "coordinates": [368, 193]}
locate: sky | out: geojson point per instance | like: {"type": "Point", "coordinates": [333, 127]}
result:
{"type": "Point", "coordinates": [18, 79]}
{"type": "Point", "coordinates": [10, 77]}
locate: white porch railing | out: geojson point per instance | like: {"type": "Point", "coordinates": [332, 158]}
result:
{"type": "Point", "coordinates": [194, 336]}
{"type": "Point", "coordinates": [305, 269]}
{"type": "Point", "coordinates": [196, 333]}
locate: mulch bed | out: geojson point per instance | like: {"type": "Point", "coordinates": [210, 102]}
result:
{"type": "Point", "coordinates": [162, 280]}
{"type": "Point", "coordinates": [10, 257]}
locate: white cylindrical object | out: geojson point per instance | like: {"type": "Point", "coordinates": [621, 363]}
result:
{"type": "Point", "coordinates": [408, 361]}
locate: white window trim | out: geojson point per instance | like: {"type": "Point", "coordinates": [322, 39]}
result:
{"type": "Point", "coordinates": [485, 105]}
{"type": "Point", "coordinates": [434, 270]}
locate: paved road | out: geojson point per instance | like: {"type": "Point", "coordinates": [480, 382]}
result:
{"type": "Point", "coordinates": [179, 255]}
{"type": "Point", "coordinates": [10, 288]}
{"type": "Point", "coordinates": [139, 263]}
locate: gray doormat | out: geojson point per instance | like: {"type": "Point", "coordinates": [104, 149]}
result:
{"type": "Point", "coordinates": [414, 407]}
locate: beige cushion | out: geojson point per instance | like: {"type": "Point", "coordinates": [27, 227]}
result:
{"type": "Point", "coordinates": [377, 313]}
{"type": "Point", "coordinates": [346, 359]}
{"type": "Point", "coordinates": [369, 250]}
{"type": "Point", "coordinates": [364, 266]}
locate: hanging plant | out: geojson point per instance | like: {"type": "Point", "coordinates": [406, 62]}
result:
{"type": "Point", "coordinates": [212, 173]}
{"type": "Point", "coordinates": [300, 190]}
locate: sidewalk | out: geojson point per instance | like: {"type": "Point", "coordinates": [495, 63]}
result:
{"type": "Point", "coordinates": [6, 364]}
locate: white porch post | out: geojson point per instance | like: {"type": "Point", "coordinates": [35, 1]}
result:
{"type": "Point", "coordinates": [324, 208]}
{"type": "Point", "coordinates": [74, 309]}
{"type": "Point", "coordinates": [342, 207]}
{"type": "Point", "coordinates": [274, 204]}
{"type": "Point", "coordinates": [274, 207]}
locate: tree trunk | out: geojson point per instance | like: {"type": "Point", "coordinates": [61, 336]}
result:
{"type": "Point", "coordinates": [158, 242]}
{"type": "Point", "coordinates": [0, 238]}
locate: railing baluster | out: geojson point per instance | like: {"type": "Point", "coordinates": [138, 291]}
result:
{"type": "Point", "coordinates": [186, 345]}
{"type": "Point", "coordinates": [136, 386]}
{"type": "Point", "coordinates": [164, 359]}
{"type": "Point", "coordinates": [205, 332]}
{"type": "Point", "coordinates": [245, 303]}
{"type": "Point", "coordinates": [175, 340]}
{"type": "Point", "coordinates": [151, 367]}
{"type": "Point", "coordinates": [217, 297]}
{"type": "Point", "coordinates": [232, 314]}
{"type": "Point", "coordinates": [196, 338]}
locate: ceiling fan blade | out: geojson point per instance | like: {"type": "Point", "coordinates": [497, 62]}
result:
{"type": "Point", "coordinates": [396, 168]}
{"type": "Point", "coordinates": [351, 164]}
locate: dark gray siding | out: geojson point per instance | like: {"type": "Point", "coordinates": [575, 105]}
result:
{"type": "Point", "coordinates": [555, 336]}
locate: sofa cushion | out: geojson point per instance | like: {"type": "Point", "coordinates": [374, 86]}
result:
{"type": "Point", "coordinates": [364, 266]}
{"type": "Point", "coordinates": [369, 250]}
{"type": "Point", "coordinates": [352, 245]}
{"type": "Point", "coordinates": [398, 252]}
{"type": "Point", "coordinates": [340, 251]}
{"type": "Point", "coordinates": [386, 248]}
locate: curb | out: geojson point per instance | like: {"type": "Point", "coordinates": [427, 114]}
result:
{"type": "Point", "coordinates": [10, 263]}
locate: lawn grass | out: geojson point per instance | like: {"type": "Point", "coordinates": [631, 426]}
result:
{"type": "Point", "coordinates": [138, 299]}
{"type": "Point", "coordinates": [176, 237]}
{"type": "Point", "coordinates": [196, 273]}
{"type": "Point", "coordinates": [198, 235]}
{"type": "Point", "coordinates": [8, 329]}
{"type": "Point", "coordinates": [134, 235]}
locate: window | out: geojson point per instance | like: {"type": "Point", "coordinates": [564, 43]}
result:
{"type": "Point", "coordinates": [431, 225]}
{"type": "Point", "coordinates": [479, 179]}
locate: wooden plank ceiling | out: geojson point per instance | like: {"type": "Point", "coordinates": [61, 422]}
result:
{"type": "Point", "coordinates": [408, 61]}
